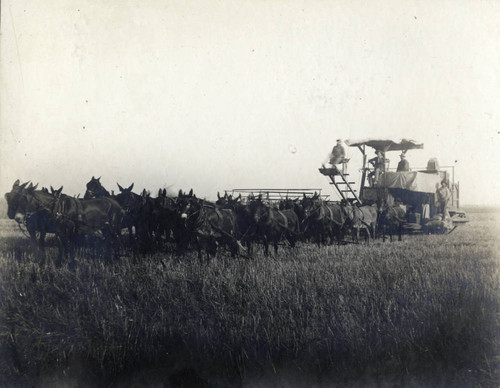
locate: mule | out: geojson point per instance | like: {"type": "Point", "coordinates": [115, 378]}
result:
{"type": "Point", "coordinates": [134, 205]}
{"type": "Point", "coordinates": [323, 221]}
{"type": "Point", "coordinates": [245, 225]}
{"type": "Point", "coordinates": [361, 218]}
{"type": "Point", "coordinates": [138, 216]}
{"type": "Point", "coordinates": [163, 215]}
{"type": "Point", "coordinates": [391, 221]}
{"type": "Point", "coordinates": [33, 208]}
{"type": "Point", "coordinates": [273, 225]}
{"type": "Point", "coordinates": [75, 218]}
{"type": "Point", "coordinates": [208, 225]}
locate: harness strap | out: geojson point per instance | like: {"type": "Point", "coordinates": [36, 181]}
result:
{"type": "Point", "coordinates": [79, 212]}
{"type": "Point", "coordinates": [22, 231]}
{"type": "Point", "coordinates": [329, 211]}
{"type": "Point", "coordinates": [284, 218]}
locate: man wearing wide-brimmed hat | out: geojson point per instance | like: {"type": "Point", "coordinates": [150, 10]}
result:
{"type": "Point", "coordinates": [403, 164]}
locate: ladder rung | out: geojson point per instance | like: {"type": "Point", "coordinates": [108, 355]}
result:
{"type": "Point", "coordinates": [348, 191]}
{"type": "Point", "coordinates": [345, 183]}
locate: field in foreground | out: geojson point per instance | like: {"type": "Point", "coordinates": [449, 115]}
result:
{"type": "Point", "coordinates": [422, 312]}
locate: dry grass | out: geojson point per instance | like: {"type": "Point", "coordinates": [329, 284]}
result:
{"type": "Point", "coordinates": [420, 312]}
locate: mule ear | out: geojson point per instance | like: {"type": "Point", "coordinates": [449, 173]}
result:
{"type": "Point", "coordinates": [164, 192]}
{"type": "Point", "coordinates": [121, 188]}
{"type": "Point", "coordinates": [218, 195]}
{"type": "Point", "coordinates": [180, 193]}
{"type": "Point", "coordinates": [98, 179]}
{"type": "Point", "coordinates": [59, 191]}
{"type": "Point", "coordinates": [34, 187]}
{"type": "Point", "coordinates": [131, 187]}
{"type": "Point", "coordinates": [16, 183]}
{"type": "Point", "coordinates": [191, 192]}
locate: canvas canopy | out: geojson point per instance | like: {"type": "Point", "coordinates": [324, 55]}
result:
{"type": "Point", "coordinates": [417, 181]}
{"type": "Point", "coordinates": [386, 144]}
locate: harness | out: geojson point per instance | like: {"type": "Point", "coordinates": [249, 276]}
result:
{"type": "Point", "coordinates": [43, 207]}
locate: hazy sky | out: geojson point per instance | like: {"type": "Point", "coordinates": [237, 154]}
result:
{"type": "Point", "coordinates": [215, 95]}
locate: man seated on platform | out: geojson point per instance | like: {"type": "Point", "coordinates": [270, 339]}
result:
{"type": "Point", "coordinates": [338, 156]}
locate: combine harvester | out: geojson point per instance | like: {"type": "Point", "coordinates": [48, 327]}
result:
{"type": "Point", "coordinates": [415, 190]}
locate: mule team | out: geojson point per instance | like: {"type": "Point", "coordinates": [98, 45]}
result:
{"type": "Point", "coordinates": [185, 221]}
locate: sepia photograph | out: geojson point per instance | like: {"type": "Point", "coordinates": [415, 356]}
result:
{"type": "Point", "coordinates": [249, 193]}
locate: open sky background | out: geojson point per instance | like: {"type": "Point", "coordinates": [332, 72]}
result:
{"type": "Point", "coordinates": [216, 95]}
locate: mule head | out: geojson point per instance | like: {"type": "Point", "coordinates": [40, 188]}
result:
{"type": "Point", "coordinates": [15, 198]}
{"type": "Point", "coordinates": [55, 192]}
{"type": "Point", "coordinates": [31, 187]}
{"type": "Point", "coordinates": [184, 207]}
{"type": "Point", "coordinates": [95, 189]}
{"type": "Point", "coordinates": [222, 201]}
{"type": "Point", "coordinates": [127, 190]}
{"type": "Point", "coordinates": [21, 201]}
{"type": "Point", "coordinates": [259, 210]}
{"type": "Point", "coordinates": [308, 204]}
{"type": "Point", "coordinates": [162, 193]}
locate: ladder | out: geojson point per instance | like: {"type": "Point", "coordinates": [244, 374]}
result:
{"type": "Point", "coordinates": [341, 183]}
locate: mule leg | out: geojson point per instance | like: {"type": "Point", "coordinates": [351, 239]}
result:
{"type": "Point", "coordinates": [71, 247]}
{"type": "Point", "coordinates": [130, 235]}
{"type": "Point", "coordinates": [266, 246]}
{"type": "Point", "coordinates": [234, 248]}
{"type": "Point", "coordinates": [61, 250]}
{"type": "Point", "coordinates": [42, 247]}
{"type": "Point", "coordinates": [248, 244]}
{"type": "Point", "coordinates": [199, 248]}
{"type": "Point", "coordinates": [116, 245]}
{"type": "Point", "coordinates": [34, 244]}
